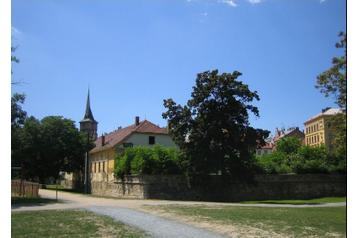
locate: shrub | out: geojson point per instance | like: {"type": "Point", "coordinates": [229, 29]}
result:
{"type": "Point", "coordinates": [288, 145]}
{"type": "Point", "coordinates": [148, 160]}
{"type": "Point", "coordinates": [275, 163]}
{"type": "Point", "coordinates": [304, 159]}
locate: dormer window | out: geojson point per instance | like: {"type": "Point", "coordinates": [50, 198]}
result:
{"type": "Point", "coordinates": [151, 140]}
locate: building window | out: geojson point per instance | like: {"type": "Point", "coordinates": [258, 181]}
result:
{"type": "Point", "coordinates": [95, 167]}
{"type": "Point", "coordinates": [151, 140]}
{"type": "Point", "coordinates": [103, 166]}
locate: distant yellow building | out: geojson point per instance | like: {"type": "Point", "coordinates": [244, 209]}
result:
{"type": "Point", "coordinates": [317, 131]}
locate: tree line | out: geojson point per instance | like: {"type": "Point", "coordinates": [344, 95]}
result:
{"type": "Point", "coordinates": [212, 131]}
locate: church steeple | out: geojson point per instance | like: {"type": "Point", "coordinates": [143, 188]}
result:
{"type": "Point", "coordinates": [88, 113]}
{"type": "Point", "coordinates": [88, 123]}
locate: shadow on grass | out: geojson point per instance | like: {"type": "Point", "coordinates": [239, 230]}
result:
{"type": "Point", "coordinates": [24, 201]}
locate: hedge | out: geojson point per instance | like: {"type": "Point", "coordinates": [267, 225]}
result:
{"type": "Point", "coordinates": [148, 160]}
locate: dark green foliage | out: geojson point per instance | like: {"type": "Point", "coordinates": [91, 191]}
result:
{"type": "Point", "coordinates": [212, 130]}
{"type": "Point", "coordinates": [288, 145]}
{"type": "Point", "coordinates": [311, 160]}
{"type": "Point", "coordinates": [44, 148]}
{"type": "Point", "coordinates": [275, 163]}
{"type": "Point", "coordinates": [18, 115]}
{"type": "Point", "coordinates": [148, 160]}
{"type": "Point", "coordinates": [304, 160]}
{"type": "Point", "coordinates": [334, 80]}
{"type": "Point", "coordinates": [338, 128]}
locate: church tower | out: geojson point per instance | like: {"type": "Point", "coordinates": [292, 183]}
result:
{"type": "Point", "coordinates": [88, 123]}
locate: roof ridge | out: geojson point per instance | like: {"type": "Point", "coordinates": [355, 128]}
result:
{"type": "Point", "coordinates": [140, 125]}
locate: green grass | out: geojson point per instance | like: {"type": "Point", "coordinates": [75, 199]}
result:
{"type": "Point", "coordinates": [300, 202]}
{"type": "Point", "coordinates": [293, 222]}
{"type": "Point", "coordinates": [68, 223]}
{"type": "Point", "coordinates": [31, 201]}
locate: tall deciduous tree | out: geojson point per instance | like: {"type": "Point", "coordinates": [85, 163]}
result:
{"type": "Point", "coordinates": [49, 146]}
{"type": "Point", "coordinates": [334, 80]}
{"type": "Point", "coordinates": [212, 129]}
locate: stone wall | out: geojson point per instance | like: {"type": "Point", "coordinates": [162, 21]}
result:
{"type": "Point", "coordinates": [215, 188]}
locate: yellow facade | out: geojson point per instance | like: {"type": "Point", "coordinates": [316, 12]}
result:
{"type": "Point", "coordinates": [315, 132]}
{"type": "Point", "coordinates": [103, 161]}
{"type": "Point", "coordinates": [318, 132]}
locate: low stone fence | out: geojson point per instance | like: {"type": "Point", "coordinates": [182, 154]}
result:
{"type": "Point", "coordinates": [217, 188]}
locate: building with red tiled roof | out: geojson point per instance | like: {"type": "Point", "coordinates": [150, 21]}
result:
{"type": "Point", "coordinates": [270, 145]}
{"type": "Point", "coordinates": [291, 132]}
{"type": "Point", "coordinates": [108, 146]}
{"type": "Point", "coordinates": [265, 149]}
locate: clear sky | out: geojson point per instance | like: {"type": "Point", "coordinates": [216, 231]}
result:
{"type": "Point", "coordinates": [134, 54]}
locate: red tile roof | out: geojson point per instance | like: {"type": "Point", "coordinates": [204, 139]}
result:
{"type": "Point", "coordinates": [118, 136]}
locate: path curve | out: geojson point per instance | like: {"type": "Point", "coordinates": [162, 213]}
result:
{"type": "Point", "coordinates": [153, 225]}
{"type": "Point", "coordinates": [131, 212]}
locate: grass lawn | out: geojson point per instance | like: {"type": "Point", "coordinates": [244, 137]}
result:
{"type": "Point", "coordinates": [292, 222]}
{"type": "Point", "coordinates": [68, 223]}
{"type": "Point", "coordinates": [298, 202]}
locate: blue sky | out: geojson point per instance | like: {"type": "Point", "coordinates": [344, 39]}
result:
{"type": "Point", "coordinates": [134, 54]}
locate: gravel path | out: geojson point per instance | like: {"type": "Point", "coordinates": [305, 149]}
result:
{"type": "Point", "coordinates": [129, 211]}
{"type": "Point", "coordinates": [153, 225]}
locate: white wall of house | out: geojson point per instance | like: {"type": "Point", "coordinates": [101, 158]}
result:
{"type": "Point", "coordinates": [141, 139]}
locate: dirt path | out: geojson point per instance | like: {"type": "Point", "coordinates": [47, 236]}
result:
{"type": "Point", "coordinates": [143, 214]}
{"type": "Point", "coordinates": [73, 200]}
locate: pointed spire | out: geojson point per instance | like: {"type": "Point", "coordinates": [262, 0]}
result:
{"type": "Point", "coordinates": [88, 113]}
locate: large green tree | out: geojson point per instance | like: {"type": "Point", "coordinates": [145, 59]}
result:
{"type": "Point", "coordinates": [212, 129]}
{"type": "Point", "coordinates": [334, 82]}
{"type": "Point", "coordinates": [49, 146]}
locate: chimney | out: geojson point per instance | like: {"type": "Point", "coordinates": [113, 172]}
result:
{"type": "Point", "coordinates": [103, 140]}
{"type": "Point", "coordinates": [325, 109]}
{"type": "Point", "coordinates": [137, 120]}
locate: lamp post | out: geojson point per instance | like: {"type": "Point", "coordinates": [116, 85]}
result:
{"type": "Point", "coordinates": [86, 166]}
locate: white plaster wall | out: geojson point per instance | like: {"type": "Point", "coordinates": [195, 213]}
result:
{"type": "Point", "coordinates": [143, 139]}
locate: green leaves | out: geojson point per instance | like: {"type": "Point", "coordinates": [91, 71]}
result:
{"type": "Point", "coordinates": [148, 160]}
{"type": "Point", "coordinates": [334, 80]}
{"type": "Point", "coordinates": [301, 160]}
{"type": "Point", "coordinates": [212, 129]}
{"type": "Point", "coordinates": [44, 148]}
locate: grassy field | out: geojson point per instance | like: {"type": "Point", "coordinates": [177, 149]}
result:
{"type": "Point", "coordinates": [299, 202]}
{"type": "Point", "coordinates": [68, 223]}
{"type": "Point", "coordinates": [287, 222]}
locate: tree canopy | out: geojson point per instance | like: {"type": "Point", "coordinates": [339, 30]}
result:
{"type": "Point", "coordinates": [288, 145]}
{"type": "Point", "coordinates": [44, 148]}
{"type": "Point", "coordinates": [334, 80]}
{"type": "Point", "coordinates": [213, 129]}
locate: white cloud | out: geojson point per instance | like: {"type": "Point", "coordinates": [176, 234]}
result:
{"type": "Point", "coordinates": [204, 14]}
{"type": "Point", "coordinates": [255, 1]}
{"type": "Point", "coordinates": [322, 1]}
{"type": "Point", "coordinates": [231, 3]}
